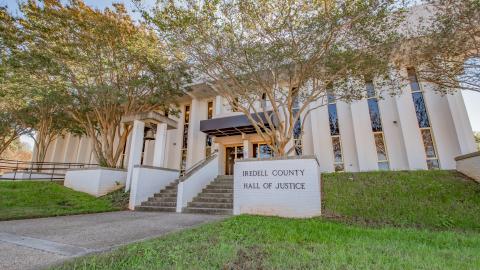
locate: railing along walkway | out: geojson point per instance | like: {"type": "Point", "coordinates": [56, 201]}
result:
{"type": "Point", "coordinates": [38, 170]}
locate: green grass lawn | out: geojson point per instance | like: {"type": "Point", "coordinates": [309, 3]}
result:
{"type": "Point", "coordinates": [384, 220]}
{"type": "Point", "coordinates": [32, 199]}
{"type": "Point", "coordinates": [250, 242]}
{"type": "Point", "coordinates": [431, 199]}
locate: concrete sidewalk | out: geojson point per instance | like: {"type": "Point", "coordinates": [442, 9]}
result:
{"type": "Point", "coordinates": [39, 243]}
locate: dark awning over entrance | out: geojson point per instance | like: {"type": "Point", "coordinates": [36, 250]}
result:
{"type": "Point", "coordinates": [231, 125]}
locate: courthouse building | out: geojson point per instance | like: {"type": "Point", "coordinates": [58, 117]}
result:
{"type": "Point", "coordinates": [417, 129]}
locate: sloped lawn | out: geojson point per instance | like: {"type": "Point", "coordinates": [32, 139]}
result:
{"type": "Point", "coordinates": [425, 199]}
{"type": "Point", "coordinates": [381, 220]}
{"type": "Point", "coordinates": [29, 199]}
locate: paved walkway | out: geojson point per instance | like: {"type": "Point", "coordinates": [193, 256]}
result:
{"type": "Point", "coordinates": [39, 243]}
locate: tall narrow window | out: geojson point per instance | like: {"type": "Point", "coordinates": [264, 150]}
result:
{"type": "Point", "coordinates": [183, 151]}
{"type": "Point", "coordinates": [423, 121]}
{"type": "Point", "coordinates": [335, 134]}
{"type": "Point", "coordinates": [297, 128]}
{"type": "Point", "coordinates": [209, 139]}
{"type": "Point", "coordinates": [297, 138]}
{"type": "Point", "coordinates": [377, 128]}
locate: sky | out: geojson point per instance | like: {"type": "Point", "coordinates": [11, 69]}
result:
{"type": "Point", "coordinates": [472, 99]}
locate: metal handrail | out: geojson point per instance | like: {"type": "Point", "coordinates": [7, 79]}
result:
{"type": "Point", "coordinates": [10, 161]}
{"type": "Point", "coordinates": [52, 170]}
{"type": "Point", "coordinates": [198, 165]}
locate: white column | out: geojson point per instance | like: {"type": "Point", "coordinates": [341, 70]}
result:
{"type": "Point", "coordinates": [71, 148]}
{"type": "Point", "coordinates": [221, 158]}
{"type": "Point", "coordinates": [461, 123]}
{"type": "Point", "coordinates": [135, 156]}
{"type": "Point", "coordinates": [412, 137]}
{"type": "Point", "coordinates": [392, 131]}
{"type": "Point", "coordinates": [443, 127]}
{"type": "Point", "coordinates": [57, 153]}
{"type": "Point", "coordinates": [347, 137]}
{"type": "Point", "coordinates": [364, 140]}
{"type": "Point", "coordinates": [81, 150]}
{"type": "Point", "coordinates": [322, 142]}
{"type": "Point", "coordinates": [218, 105]}
{"type": "Point", "coordinates": [160, 145]}
{"type": "Point", "coordinates": [196, 138]}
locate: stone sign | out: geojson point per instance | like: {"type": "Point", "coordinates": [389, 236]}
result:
{"type": "Point", "coordinates": [287, 187]}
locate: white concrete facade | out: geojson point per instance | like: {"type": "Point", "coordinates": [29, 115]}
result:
{"type": "Point", "coordinates": [450, 126]}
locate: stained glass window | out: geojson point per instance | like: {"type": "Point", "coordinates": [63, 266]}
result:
{"type": "Point", "coordinates": [297, 138]}
{"type": "Point", "coordinates": [423, 121]}
{"type": "Point", "coordinates": [333, 119]}
{"type": "Point", "coordinates": [376, 121]}
{"type": "Point", "coordinates": [421, 110]}
{"type": "Point", "coordinates": [183, 151]}
{"type": "Point", "coordinates": [209, 139]}
{"type": "Point", "coordinates": [337, 149]}
{"type": "Point", "coordinates": [380, 145]}
{"type": "Point", "coordinates": [375, 115]}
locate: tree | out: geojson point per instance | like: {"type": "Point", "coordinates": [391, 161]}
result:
{"type": "Point", "coordinates": [111, 66]}
{"type": "Point", "coordinates": [33, 94]}
{"type": "Point", "coordinates": [11, 126]}
{"type": "Point", "coordinates": [447, 54]}
{"type": "Point", "coordinates": [275, 61]}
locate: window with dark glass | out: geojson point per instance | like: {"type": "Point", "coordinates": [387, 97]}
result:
{"type": "Point", "coordinates": [423, 121]}
{"type": "Point", "coordinates": [335, 133]}
{"type": "Point", "coordinates": [262, 150]}
{"type": "Point", "coordinates": [209, 139]}
{"type": "Point", "coordinates": [183, 151]}
{"type": "Point", "coordinates": [377, 128]}
{"type": "Point", "coordinates": [297, 138]}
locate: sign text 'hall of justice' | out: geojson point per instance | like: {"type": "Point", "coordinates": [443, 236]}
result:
{"type": "Point", "coordinates": [289, 173]}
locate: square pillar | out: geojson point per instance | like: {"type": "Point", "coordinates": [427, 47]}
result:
{"type": "Point", "coordinates": [135, 156]}
{"type": "Point", "coordinates": [160, 145]}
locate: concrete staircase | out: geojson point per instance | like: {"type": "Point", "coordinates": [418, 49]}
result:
{"type": "Point", "coordinates": [216, 198]}
{"type": "Point", "coordinates": [163, 201]}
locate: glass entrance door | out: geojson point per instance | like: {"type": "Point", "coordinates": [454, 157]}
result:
{"type": "Point", "coordinates": [232, 153]}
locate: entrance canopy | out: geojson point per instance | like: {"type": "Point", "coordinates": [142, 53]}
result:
{"type": "Point", "coordinates": [232, 125]}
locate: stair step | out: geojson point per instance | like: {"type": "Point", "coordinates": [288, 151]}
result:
{"type": "Point", "coordinates": [223, 177]}
{"type": "Point", "coordinates": [218, 190]}
{"type": "Point", "coordinates": [161, 204]}
{"type": "Point", "coordinates": [196, 204]}
{"type": "Point", "coordinates": [155, 209]}
{"type": "Point", "coordinates": [220, 186]}
{"type": "Point", "coordinates": [162, 199]}
{"type": "Point", "coordinates": [214, 211]}
{"type": "Point", "coordinates": [168, 191]}
{"type": "Point", "coordinates": [213, 199]}
{"type": "Point", "coordinates": [218, 195]}
{"type": "Point", "coordinates": [165, 195]}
